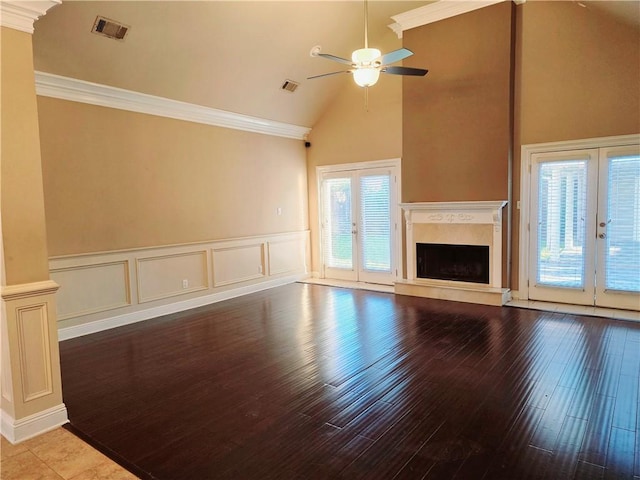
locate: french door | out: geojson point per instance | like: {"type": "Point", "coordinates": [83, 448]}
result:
{"type": "Point", "coordinates": [358, 224]}
{"type": "Point", "coordinates": [585, 227]}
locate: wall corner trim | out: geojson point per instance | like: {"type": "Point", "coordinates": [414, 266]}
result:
{"type": "Point", "coordinates": [66, 88]}
{"type": "Point", "coordinates": [20, 15]}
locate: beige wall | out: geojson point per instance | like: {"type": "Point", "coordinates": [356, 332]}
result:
{"type": "Point", "coordinates": [580, 74]}
{"type": "Point", "coordinates": [23, 225]}
{"type": "Point", "coordinates": [348, 133]}
{"type": "Point", "coordinates": [456, 123]}
{"type": "Point", "coordinates": [578, 77]}
{"type": "Point", "coordinates": [118, 180]}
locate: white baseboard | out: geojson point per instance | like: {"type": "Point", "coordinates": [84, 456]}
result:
{"type": "Point", "coordinates": [515, 295]}
{"type": "Point", "coordinates": [149, 313]}
{"type": "Point", "coordinates": [17, 431]}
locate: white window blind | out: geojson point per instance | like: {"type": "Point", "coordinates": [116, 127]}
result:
{"type": "Point", "coordinates": [622, 255]}
{"type": "Point", "coordinates": [375, 223]}
{"type": "Point", "coordinates": [338, 240]}
{"type": "Point", "coordinates": [561, 223]}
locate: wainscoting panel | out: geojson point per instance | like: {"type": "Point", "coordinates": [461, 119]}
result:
{"type": "Point", "coordinates": [238, 264]}
{"type": "Point", "coordinates": [108, 289]}
{"type": "Point", "coordinates": [286, 256]}
{"type": "Point", "coordinates": [88, 289]}
{"type": "Point", "coordinates": [170, 275]}
{"type": "Point", "coordinates": [35, 354]}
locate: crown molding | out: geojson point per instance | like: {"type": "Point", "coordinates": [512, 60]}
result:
{"type": "Point", "coordinates": [436, 11]}
{"type": "Point", "coordinates": [20, 14]}
{"type": "Point", "coordinates": [65, 88]}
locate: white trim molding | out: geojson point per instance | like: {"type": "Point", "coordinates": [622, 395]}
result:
{"type": "Point", "coordinates": [74, 90]}
{"type": "Point", "coordinates": [17, 431]}
{"type": "Point", "coordinates": [21, 14]}
{"type": "Point", "coordinates": [437, 11]}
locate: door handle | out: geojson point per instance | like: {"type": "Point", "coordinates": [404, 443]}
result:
{"type": "Point", "coordinates": [602, 235]}
{"type": "Point", "coordinates": [354, 232]}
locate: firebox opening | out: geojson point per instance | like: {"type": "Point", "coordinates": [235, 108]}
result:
{"type": "Point", "coordinates": [462, 263]}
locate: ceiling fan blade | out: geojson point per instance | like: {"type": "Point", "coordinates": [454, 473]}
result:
{"type": "Point", "coordinates": [327, 74]}
{"type": "Point", "coordinates": [418, 72]}
{"type": "Point", "coordinates": [395, 56]}
{"type": "Point", "coordinates": [336, 59]}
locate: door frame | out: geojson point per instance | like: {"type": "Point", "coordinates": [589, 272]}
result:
{"type": "Point", "coordinates": [524, 204]}
{"type": "Point", "coordinates": [396, 237]}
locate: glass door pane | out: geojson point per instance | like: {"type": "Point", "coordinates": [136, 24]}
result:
{"type": "Point", "coordinates": [618, 280]}
{"type": "Point", "coordinates": [375, 227]}
{"type": "Point", "coordinates": [563, 213]}
{"type": "Point", "coordinates": [338, 228]}
{"type": "Point", "coordinates": [561, 224]}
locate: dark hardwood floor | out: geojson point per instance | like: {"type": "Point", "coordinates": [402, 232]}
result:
{"type": "Point", "coordinates": [312, 382]}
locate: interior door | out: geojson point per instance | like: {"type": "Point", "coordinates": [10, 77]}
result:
{"type": "Point", "coordinates": [618, 229]}
{"type": "Point", "coordinates": [358, 225]}
{"type": "Point", "coordinates": [585, 227]}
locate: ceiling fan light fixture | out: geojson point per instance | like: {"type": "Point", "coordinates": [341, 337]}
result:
{"type": "Point", "coordinates": [365, 56]}
{"type": "Point", "coordinates": [366, 76]}
{"type": "Point", "coordinates": [367, 63]}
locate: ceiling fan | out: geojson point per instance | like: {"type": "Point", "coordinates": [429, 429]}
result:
{"type": "Point", "coordinates": [368, 63]}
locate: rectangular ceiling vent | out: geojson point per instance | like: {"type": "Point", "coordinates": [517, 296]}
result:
{"type": "Point", "coordinates": [109, 28]}
{"type": "Point", "coordinates": [290, 86]}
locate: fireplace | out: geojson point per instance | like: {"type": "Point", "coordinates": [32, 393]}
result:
{"type": "Point", "coordinates": [454, 251]}
{"type": "Point", "coordinates": [461, 263]}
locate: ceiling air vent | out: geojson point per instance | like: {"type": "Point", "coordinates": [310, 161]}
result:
{"type": "Point", "coordinates": [109, 28]}
{"type": "Point", "coordinates": [290, 86]}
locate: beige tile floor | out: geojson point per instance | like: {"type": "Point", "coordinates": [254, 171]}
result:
{"type": "Point", "coordinates": [57, 455]}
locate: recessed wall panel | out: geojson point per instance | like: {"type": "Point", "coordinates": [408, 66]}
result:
{"type": "Point", "coordinates": [286, 256]}
{"type": "Point", "coordinates": [35, 362]}
{"type": "Point", "coordinates": [238, 264]}
{"type": "Point", "coordinates": [169, 275]}
{"type": "Point", "coordinates": [94, 288]}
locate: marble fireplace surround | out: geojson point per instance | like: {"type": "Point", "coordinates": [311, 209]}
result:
{"type": "Point", "coordinates": [455, 223]}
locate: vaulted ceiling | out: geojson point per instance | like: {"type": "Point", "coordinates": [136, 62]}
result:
{"type": "Point", "coordinates": [228, 55]}
{"type": "Point", "coordinates": [232, 55]}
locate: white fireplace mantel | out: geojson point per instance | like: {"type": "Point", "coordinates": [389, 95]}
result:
{"type": "Point", "coordinates": [484, 213]}
{"type": "Point", "coordinates": [454, 212]}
